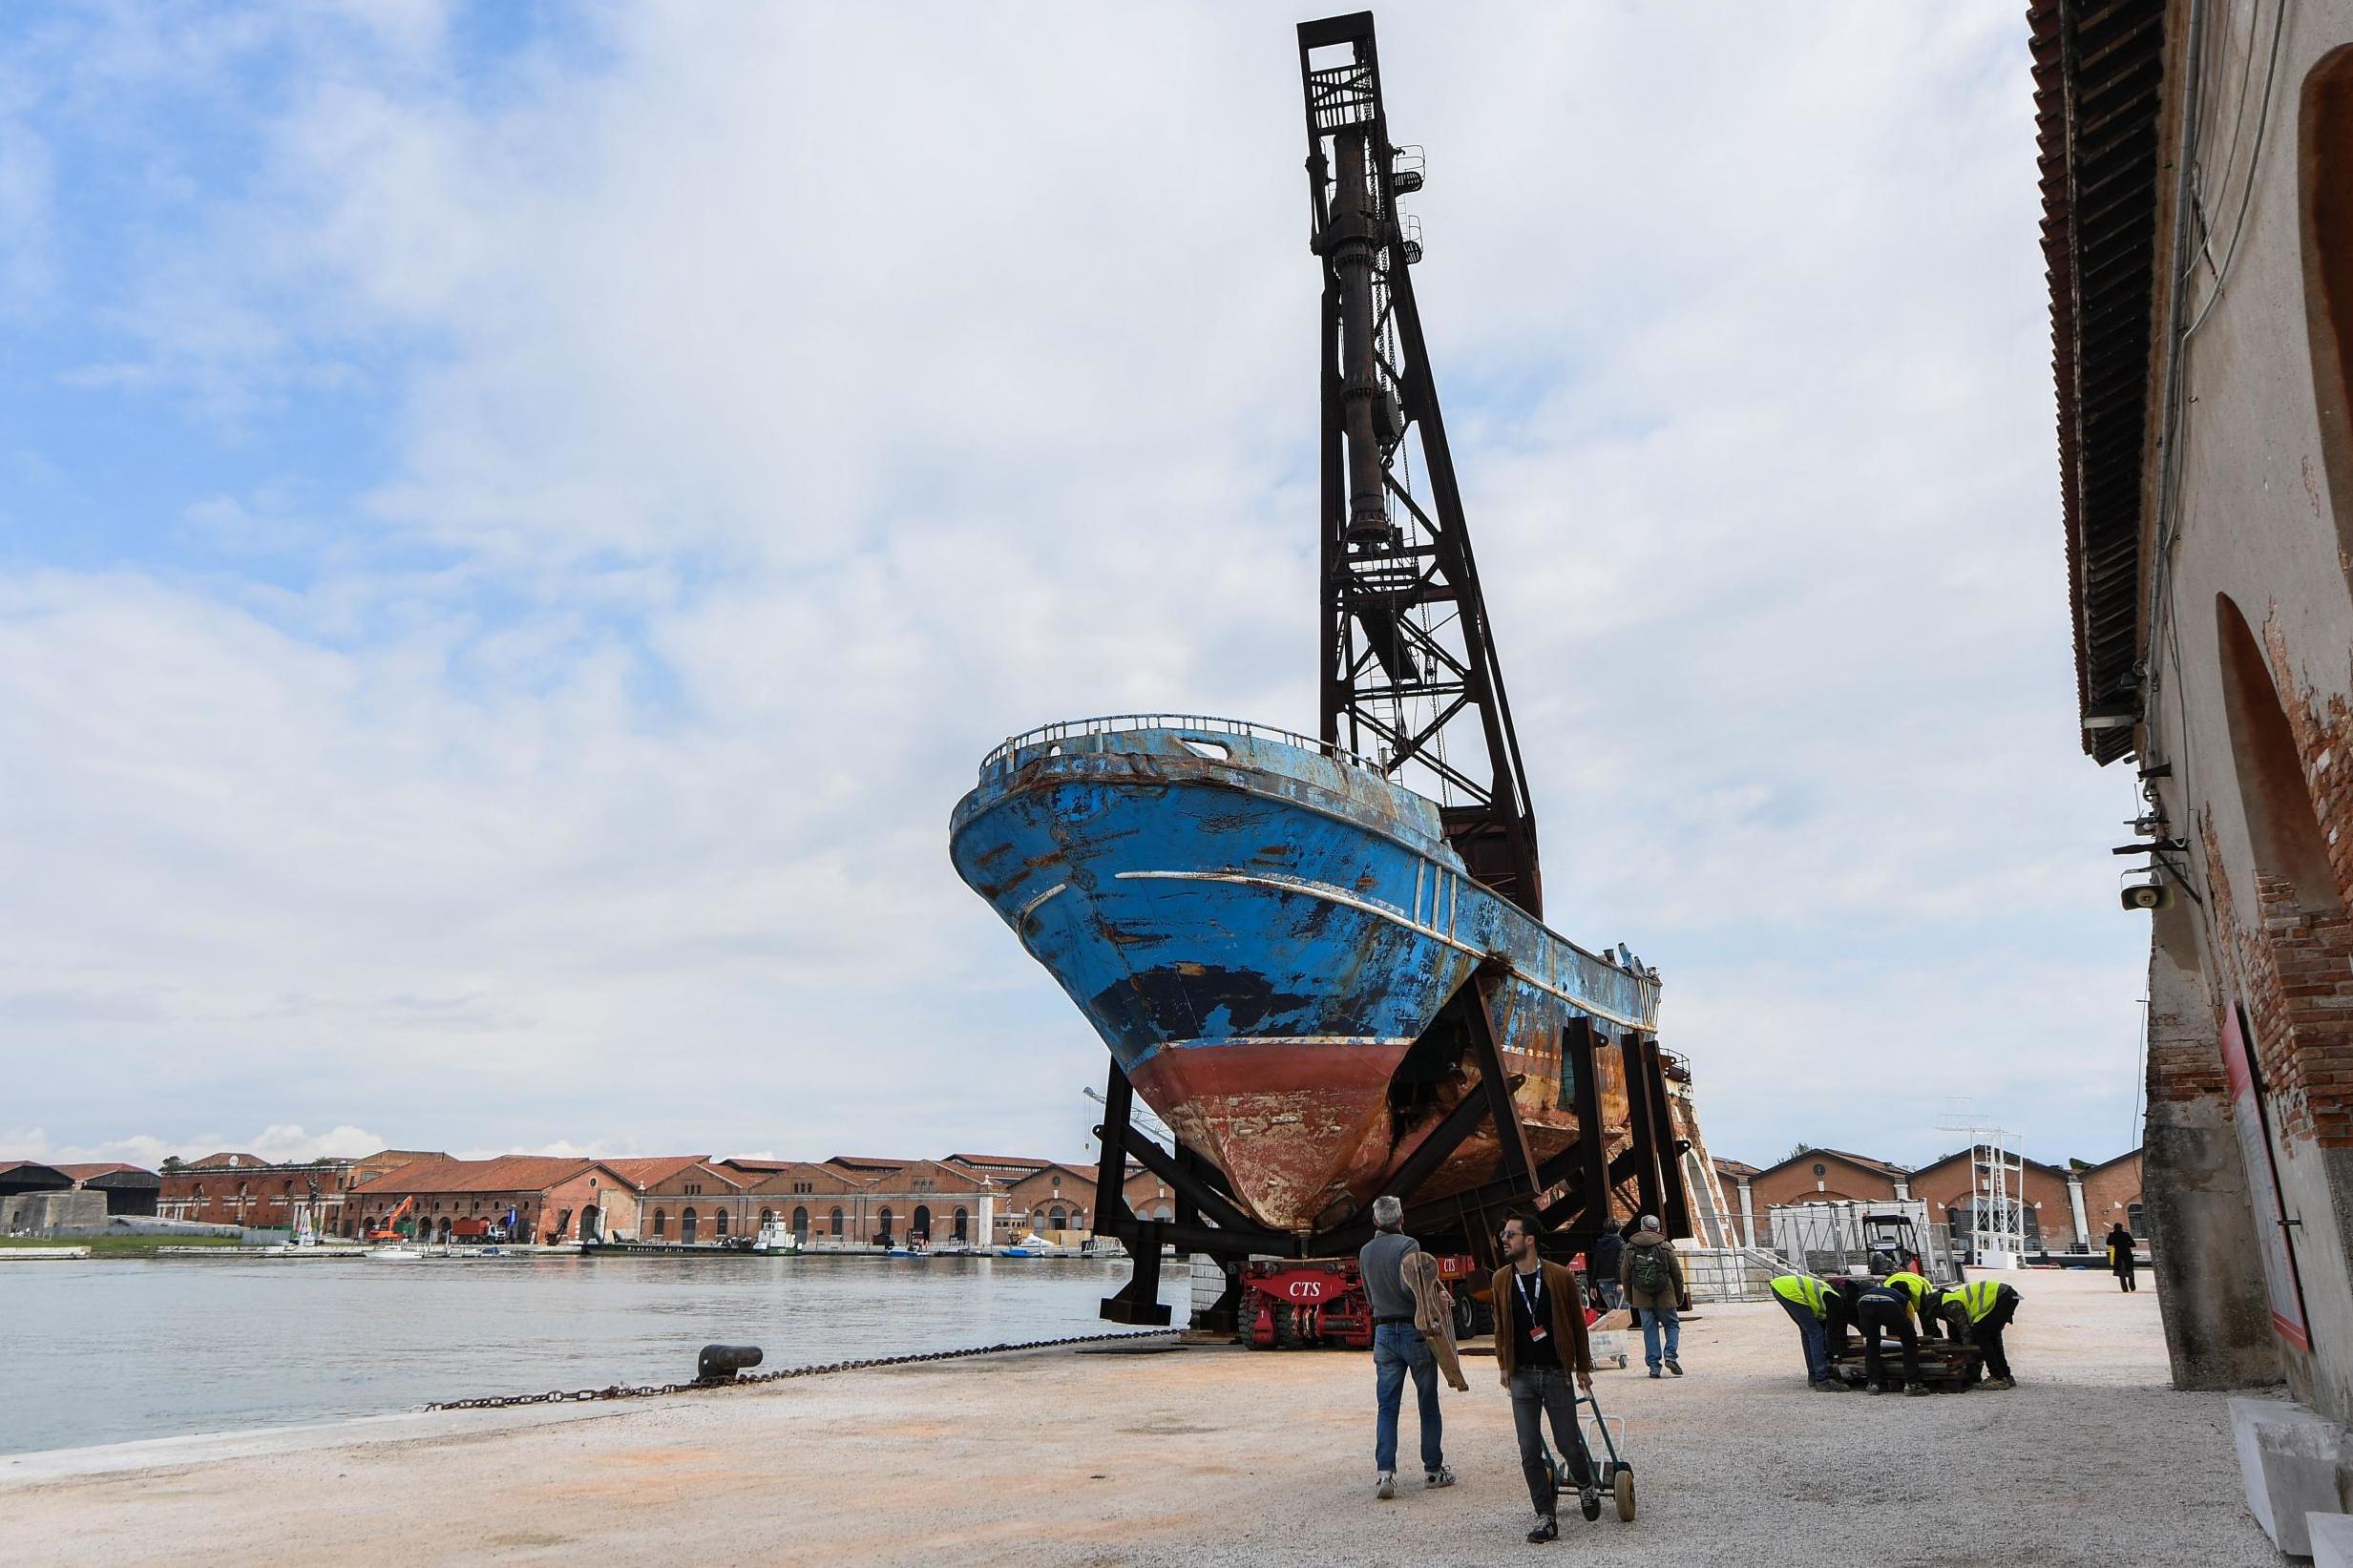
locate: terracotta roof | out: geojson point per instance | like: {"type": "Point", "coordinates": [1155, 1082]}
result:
{"type": "Point", "coordinates": [32, 1167]}
{"type": "Point", "coordinates": [213, 1161]}
{"type": "Point", "coordinates": [1004, 1162]}
{"type": "Point", "coordinates": [501, 1173]}
{"type": "Point", "coordinates": [656, 1169]}
{"type": "Point", "coordinates": [115, 1167]}
{"type": "Point", "coordinates": [868, 1162]}
{"type": "Point", "coordinates": [1818, 1151]}
{"type": "Point", "coordinates": [764, 1166]}
{"type": "Point", "coordinates": [1736, 1167]}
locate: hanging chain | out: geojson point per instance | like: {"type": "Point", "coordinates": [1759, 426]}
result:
{"type": "Point", "coordinates": [648, 1390]}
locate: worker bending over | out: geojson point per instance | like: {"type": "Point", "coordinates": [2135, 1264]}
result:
{"type": "Point", "coordinates": [1820, 1313]}
{"type": "Point", "coordinates": [1977, 1313]}
{"type": "Point", "coordinates": [1921, 1294]}
{"type": "Point", "coordinates": [1887, 1308]}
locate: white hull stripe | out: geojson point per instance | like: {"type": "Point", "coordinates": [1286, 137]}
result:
{"type": "Point", "coordinates": [1340, 896]}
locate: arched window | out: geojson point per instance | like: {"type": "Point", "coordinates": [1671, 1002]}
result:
{"type": "Point", "coordinates": [719, 1223]}
{"type": "Point", "coordinates": [800, 1221]}
{"type": "Point", "coordinates": [921, 1223]}
{"type": "Point", "coordinates": [2326, 129]}
{"type": "Point", "coordinates": [963, 1225]}
{"type": "Point", "coordinates": [1058, 1220]}
{"type": "Point", "coordinates": [686, 1225]}
{"type": "Point", "coordinates": [768, 1218]}
{"type": "Point", "coordinates": [836, 1220]}
{"type": "Point", "coordinates": [2283, 828]}
{"type": "Point", "coordinates": [1164, 1213]}
{"type": "Point", "coordinates": [885, 1220]}
{"type": "Point", "coordinates": [662, 1222]}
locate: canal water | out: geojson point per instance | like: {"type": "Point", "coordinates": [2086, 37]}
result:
{"type": "Point", "coordinates": [112, 1350]}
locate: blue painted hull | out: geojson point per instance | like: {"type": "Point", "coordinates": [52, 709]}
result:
{"type": "Point", "coordinates": [1265, 936]}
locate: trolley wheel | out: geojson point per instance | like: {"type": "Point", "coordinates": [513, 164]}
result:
{"type": "Point", "coordinates": [1621, 1364]}
{"type": "Point", "coordinates": [1624, 1487]}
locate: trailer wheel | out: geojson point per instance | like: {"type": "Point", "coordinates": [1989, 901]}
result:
{"type": "Point", "coordinates": [1466, 1316]}
{"type": "Point", "coordinates": [1624, 1487]}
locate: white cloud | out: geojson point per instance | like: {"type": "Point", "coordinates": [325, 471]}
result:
{"type": "Point", "coordinates": [787, 404]}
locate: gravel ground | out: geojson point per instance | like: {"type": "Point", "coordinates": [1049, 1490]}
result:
{"type": "Point", "coordinates": [1210, 1457]}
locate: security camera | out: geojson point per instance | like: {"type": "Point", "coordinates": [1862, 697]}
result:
{"type": "Point", "coordinates": [2147, 895]}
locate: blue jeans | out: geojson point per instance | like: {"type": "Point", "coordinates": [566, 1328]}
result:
{"type": "Point", "coordinates": [1398, 1348]}
{"type": "Point", "coordinates": [1817, 1340]}
{"type": "Point", "coordinates": [1652, 1317]}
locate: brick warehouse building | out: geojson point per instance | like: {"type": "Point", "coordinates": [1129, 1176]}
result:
{"type": "Point", "coordinates": [245, 1189]}
{"type": "Point", "coordinates": [2068, 1208]}
{"type": "Point", "coordinates": [540, 1198]}
{"type": "Point", "coordinates": [2202, 321]}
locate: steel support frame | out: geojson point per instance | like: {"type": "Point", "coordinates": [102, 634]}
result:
{"type": "Point", "coordinates": [1209, 1219]}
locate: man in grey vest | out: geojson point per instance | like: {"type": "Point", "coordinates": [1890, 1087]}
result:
{"type": "Point", "coordinates": [1398, 1348]}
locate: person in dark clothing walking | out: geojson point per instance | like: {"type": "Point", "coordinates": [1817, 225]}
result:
{"type": "Point", "coordinates": [2120, 1245]}
{"type": "Point", "coordinates": [1540, 1344]}
{"type": "Point", "coordinates": [1601, 1265]}
{"type": "Point", "coordinates": [1398, 1350]}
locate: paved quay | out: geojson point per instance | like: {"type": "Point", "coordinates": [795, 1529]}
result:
{"type": "Point", "coordinates": [1203, 1456]}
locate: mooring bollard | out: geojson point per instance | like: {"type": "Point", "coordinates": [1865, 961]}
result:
{"type": "Point", "coordinates": [720, 1363]}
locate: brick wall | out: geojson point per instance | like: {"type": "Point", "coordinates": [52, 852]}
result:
{"type": "Point", "coordinates": [1795, 1183]}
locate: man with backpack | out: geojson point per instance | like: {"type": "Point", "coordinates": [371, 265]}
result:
{"type": "Point", "coordinates": [1653, 1278]}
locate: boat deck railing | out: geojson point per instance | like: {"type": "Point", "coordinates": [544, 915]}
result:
{"type": "Point", "coordinates": [1120, 724]}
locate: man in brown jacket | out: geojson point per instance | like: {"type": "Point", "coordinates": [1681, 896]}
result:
{"type": "Point", "coordinates": [1540, 1343]}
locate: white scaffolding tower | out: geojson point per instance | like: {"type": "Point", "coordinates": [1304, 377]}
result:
{"type": "Point", "coordinates": [1997, 1189]}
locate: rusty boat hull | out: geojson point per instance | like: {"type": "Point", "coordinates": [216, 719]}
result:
{"type": "Point", "coordinates": [1276, 943]}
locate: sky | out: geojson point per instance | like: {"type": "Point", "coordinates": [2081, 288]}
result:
{"type": "Point", "coordinates": [518, 522]}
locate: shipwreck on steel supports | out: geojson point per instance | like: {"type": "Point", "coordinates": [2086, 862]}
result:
{"type": "Point", "coordinates": [1323, 962]}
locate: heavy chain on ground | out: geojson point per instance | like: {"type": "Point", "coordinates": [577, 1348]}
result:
{"type": "Point", "coordinates": [647, 1390]}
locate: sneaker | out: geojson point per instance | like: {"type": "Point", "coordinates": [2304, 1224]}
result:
{"type": "Point", "coordinates": [1830, 1385]}
{"type": "Point", "coordinates": [1589, 1502]}
{"type": "Point", "coordinates": [1654, 1373]}
{"type": "Point", "coordinates": [1387, 1488]}
{"type": "Point", "coordinates": [1440, 1476]}
{"type": "Point", "coordinates": [1916, 1390]}
{"type": "Point", "coordinates": [1673, 1366]}
{"type": "Point", "coordinates": [1548, 1528]}
{"type": "Point", "coordinates": [2001, 1385]}
{"type": "Point", "coordinates": [1873, 1388]}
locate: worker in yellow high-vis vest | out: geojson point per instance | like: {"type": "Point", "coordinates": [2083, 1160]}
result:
{"type": "Point", "coordinates": [1821, 1316]}
{"type": "Point", "coordinates": [1977, 1312]}
{"type": "Point", "coordinates": [1920, 1294]}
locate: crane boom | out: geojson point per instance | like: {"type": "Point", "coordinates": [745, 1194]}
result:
{"type": "Point", "coordinates": [1408, 673]}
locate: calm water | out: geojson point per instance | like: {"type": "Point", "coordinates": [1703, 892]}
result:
{"type": "Point", "coordinates": [109, 1351]}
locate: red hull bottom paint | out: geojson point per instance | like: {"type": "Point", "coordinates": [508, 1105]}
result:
{"type": "Point", "coordinates": [1294, 1126]}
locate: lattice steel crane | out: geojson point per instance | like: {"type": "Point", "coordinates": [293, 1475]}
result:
{"type": "Point", "coordinates": [1409, 679]}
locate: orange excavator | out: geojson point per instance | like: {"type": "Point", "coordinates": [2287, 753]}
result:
{"type": "Point", "coordinates": [388, 1232]}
